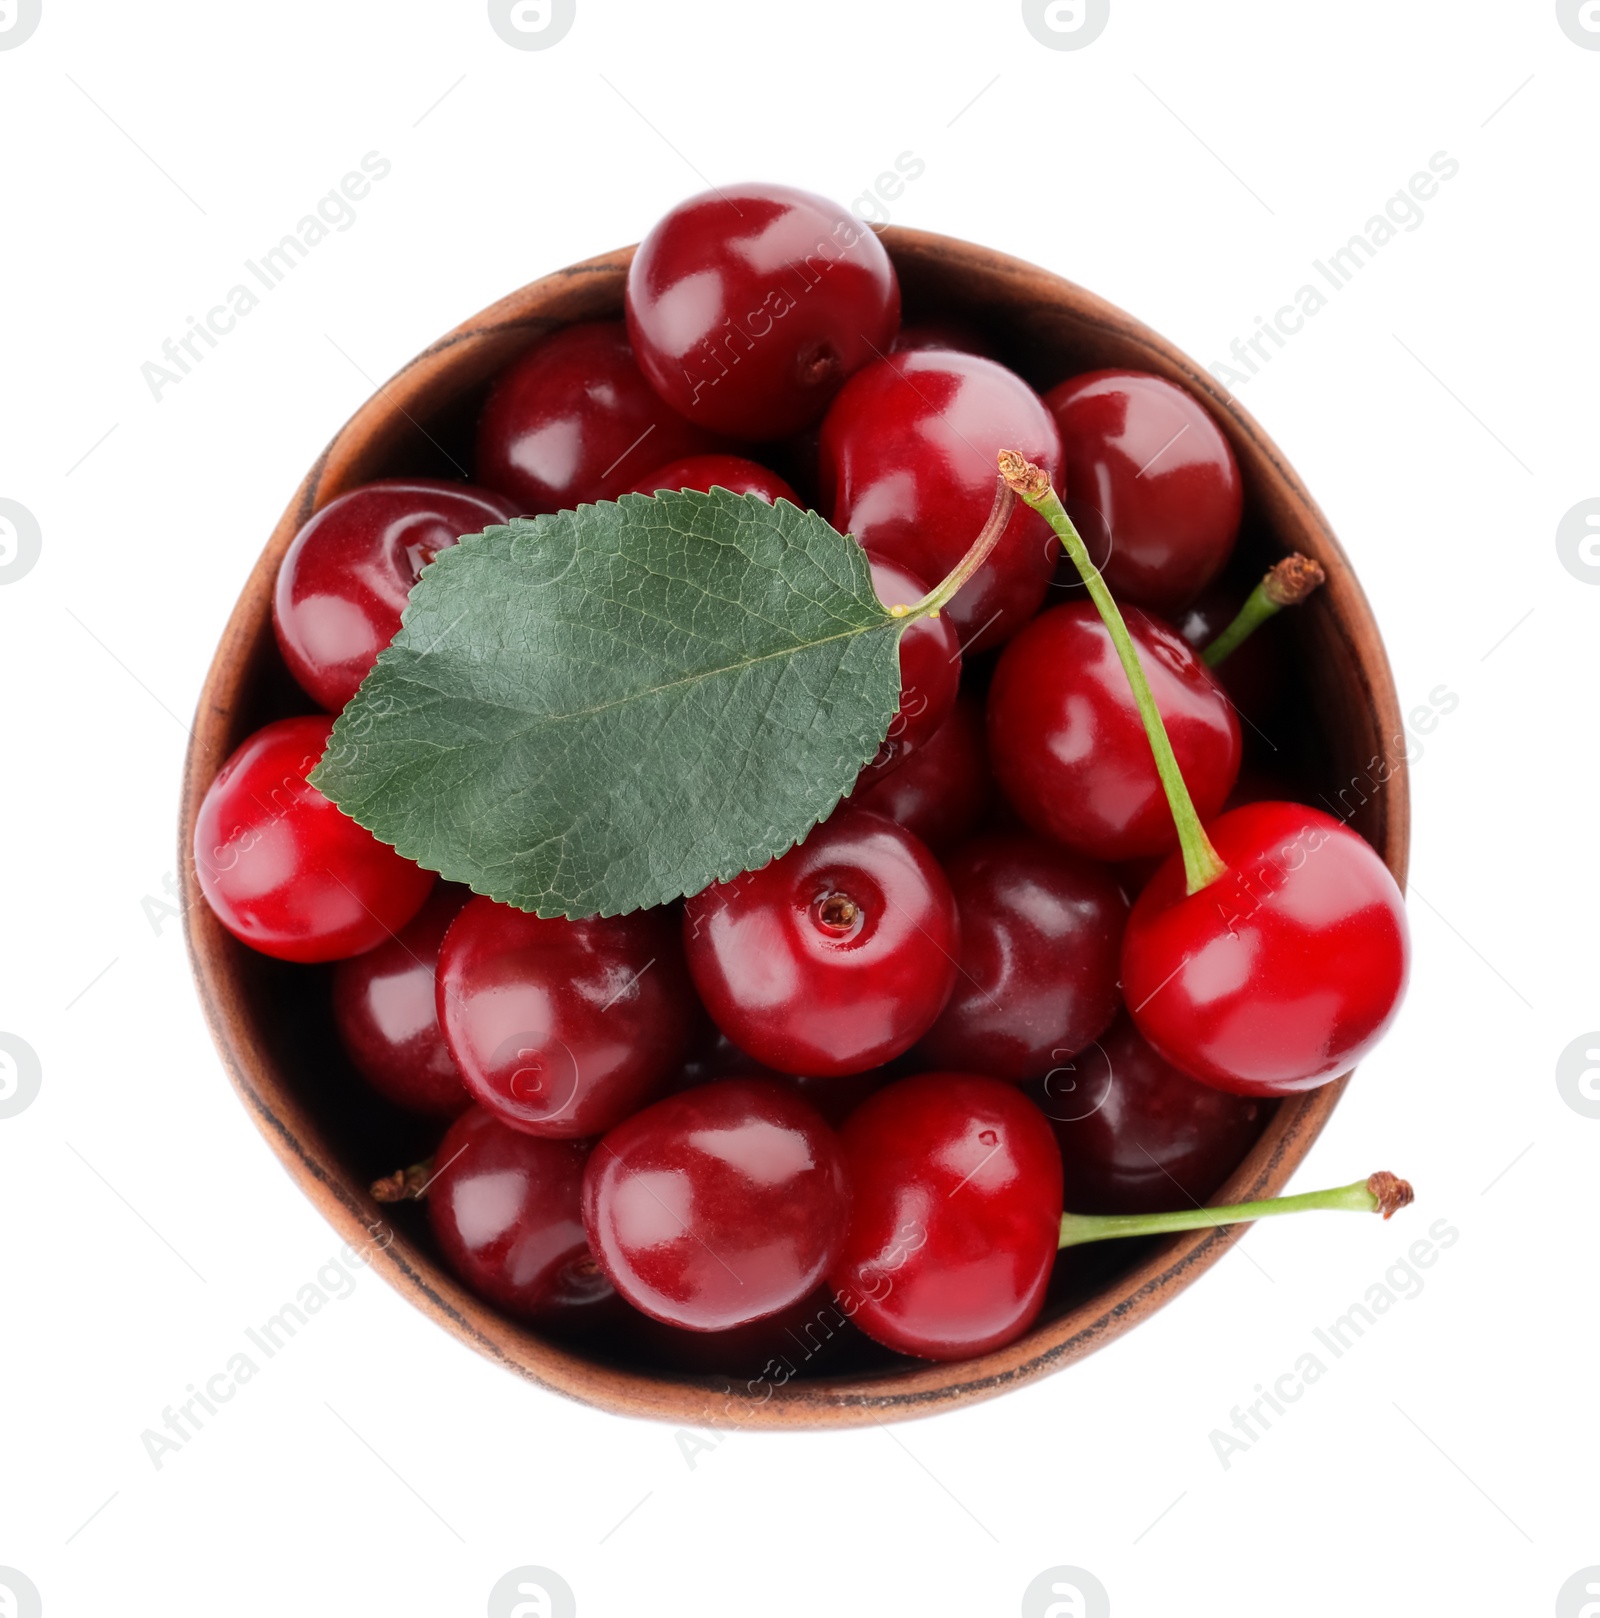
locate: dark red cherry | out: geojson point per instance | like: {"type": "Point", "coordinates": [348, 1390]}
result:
{"type": "Point", "coordinates": [560, 1027]}
{"type": "Point", "coordinates": [1282, 973]}
{"type": "Point", "coordinates": [705, 472]}
{"type": "Point", "coordinates": [574, 420]}
{"type": "Point", "coordinates": [952, 334]}
{"type": "Point", "coordinates": [835, 1098]}
{"type": "Point", "coordinates": [930, 672]}
{"type": "Point", "coordinates": [806, 1339]}
{"type": "Point", "coordinates": [346, 577]}
{"type": "Point", "coordinates": [718, 1206]}
{"type": "Point", "coordinates": [796, 458]}
{"type": "Point", "coordinates": [717, 1057]}
{"type": "Point", "coordinates": [387, 1015]}
{"type": "Point", "coordinates": [1070, 750]}
{"type": "Point", "coordinates": [907, 465]}
{"type": "Point", "coordinates": [284, 870]}
{"type": "Point", "coordinates": [1254, 675]}
{"type": "Point", "coordinates": [1041, 944]}
{"type": "Point", "coordinates": [1136, 1134]}
{"type": "Point", "coordinates": [833, 958]}
{"type": "Point", "coordinates": [955, 1218]}
{"type": "Point", "coordinates": [750, 305]}
{"type": "Point", "coordinates": [506, 1209]}
{"type": "Point", "coordinates": [1151, 484]}
{"type": "Point", "coordinates": [838, 1096]}
{"type": "Point", "coordinates": [940, 793]}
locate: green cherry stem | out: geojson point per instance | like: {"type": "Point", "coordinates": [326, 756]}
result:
{"type": "Point", "coordinates": [977, 554]}
{"type": "Point", "coordinates": [1380, 1193]}
{"type": "Point", "coordinates": [1201, 863]}
{"type": "Point", "coordinates": [1287, 584]}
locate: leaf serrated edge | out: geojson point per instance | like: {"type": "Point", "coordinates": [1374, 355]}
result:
{"type": "Point", "coordinates": [861, 577]}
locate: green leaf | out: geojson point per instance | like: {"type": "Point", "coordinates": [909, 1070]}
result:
{"type": "Point", "coordinates": [592, 712]}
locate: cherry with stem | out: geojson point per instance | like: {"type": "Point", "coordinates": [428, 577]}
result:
{"type": "Point", "coordinates": [1382, 1192]}
{"type": "Point", "coordinates": [1005, 500]}
{"type": "Point", "coordinates": [1275, 953]}
{"type": "Point", "coordinates": [959, 1209]}
{"type": "Point", "coordinates": [1286, 584]}
{"type": "Point", "coordinates": [1201, 862]}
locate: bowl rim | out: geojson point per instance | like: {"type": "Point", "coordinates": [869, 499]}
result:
{"type": "Point", "coordinates": [772, 1403]}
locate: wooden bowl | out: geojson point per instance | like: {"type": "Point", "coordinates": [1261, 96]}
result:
{"type": "Point", "coordinates": [270, 1020]}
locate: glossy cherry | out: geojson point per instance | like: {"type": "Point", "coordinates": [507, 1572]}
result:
{"type": "Point", "coordinates": [940, 792]}
{"type": "Point", "coordinates": [1254, 675]}
{"type": "Point", "coordinates": [386, 1012]}
{"type": "Point", "coordinates": [574, 420]}
{"type": "Point", "coordinates": [715, 1056]}
{"type": "Point", "coordinates": [284, 870]}
{"type": "Point", "coordinates": [748, 307]}
{"type": "Point", "coordinates": [834, 1097]}
{"type": "Point", "coordinates": [907, 465]}
{"type": "Point", "coordinates": [1281, 973]}
{"type": "Point", "coordinates": [506, 1210]}
{"type": "Point", "coordinates": [346, 576]}
{"type": "Point", "coordinates": [805, 1339]}
{"type": "Point", "coordinates": [705, 472]}
{"type": "Point", "coordinates": [718, 1206]}
{"type": "Point", "coordinates": [1151, 483]}
{"type": "Point", "coordinates": [1041, 943]}
{"type": "Point", "coordinates": [833, 958]}
{"type": "Point", "coordinates": [930, 672]}
{"type": "Point", "coordinates": [1137, 1135]}
{"type": "Point", "coordinates": [1069, 748]}
{"type": "Point", "coordinates": [559, 1027]}
{"type": "Point", "coordinates": [956, 1215]}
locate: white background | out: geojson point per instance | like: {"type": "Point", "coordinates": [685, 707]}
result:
{"type": "Point", "coordinates": [1188, 165]}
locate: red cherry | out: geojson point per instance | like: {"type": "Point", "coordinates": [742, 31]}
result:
{"type": "Point", "coordinates": [705, 472]}
{"type": "Point", "coordinates": [1138, 1136]}
{"type": "Point", "coordinates": [285, 871]}
{"type": "Point", "coordinates": [1150, 482]}
{"type": "Point", "coordinates": [559, 1027]}
{"type": "Point", "coordinates": [1069, 748]}
{"type": "Point", "coordinates": [718, 1206]}
{"type": "Point", "coordinates": [907, 465]}
{"type": "Point", "coordinates": [385, 1010]}
{"type": "Point", "coordinates": [574, 420]}
{"type": "Point", "coordinates": [835, 1098]}
{"type": "Point", "coordinates": [808, 1338]}
{"type": "Point", "coordinates": [1255, 675]}
{"type": "Point", "coordinates": [1041, 941]}
{"type": "Point", "coordinates": [1283, 972]}
{"type": "Point", "coordinates": [955, 1218]}
{"type": "Point", "coordinates": [833, 958]}
{"type": "Point", "coordinates": [749, 306]}
{"type": "Point", "coordinates": [930, 672]}
{"type": "Point", "coordinates": [346, 577]}
{"type": "Point", "coordinates": [717, 1057]}
{"type": "Point", "coordinates": [940, 793]}
{"type": "Point", "coordinates": [506, 1209]}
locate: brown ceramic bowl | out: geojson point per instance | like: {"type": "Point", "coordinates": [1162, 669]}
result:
{"type": "Point", "coordinates": [270, 1021]}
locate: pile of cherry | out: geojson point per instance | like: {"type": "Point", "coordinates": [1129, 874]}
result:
{"type": "Point", "coordinates": [864, 1079]}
